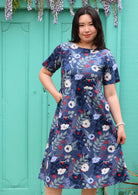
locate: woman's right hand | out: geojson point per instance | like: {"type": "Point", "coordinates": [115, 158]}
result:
{"type": "Point", "coordinates": [58, 97]}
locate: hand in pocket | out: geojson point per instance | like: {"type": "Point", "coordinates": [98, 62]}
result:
{"type": "Point", "coordinates": [58, 97]}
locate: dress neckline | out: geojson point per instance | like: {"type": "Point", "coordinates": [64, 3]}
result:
{"type": "Point", "coordinates": [74, 46]}
{"type": "Point", "coordinates": [83, 47]}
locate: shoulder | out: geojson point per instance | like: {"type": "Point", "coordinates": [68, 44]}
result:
{"type": "Point", "coordinates": [61, 47]}
{"type": "Point", "coordinates": [68, 45]}
{"type": "Point", "coordinates": [105, 51]}
{"type": "Point", "coordinates": [65, 45]}
{"type": "Point", "coordinates": [107, 54]}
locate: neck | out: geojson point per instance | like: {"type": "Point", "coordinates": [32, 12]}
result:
{"type": "Point", "coordinates": [86, 45]}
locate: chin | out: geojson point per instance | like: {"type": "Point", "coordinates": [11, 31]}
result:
{"type": "Point", "coordinates": [88, 41]}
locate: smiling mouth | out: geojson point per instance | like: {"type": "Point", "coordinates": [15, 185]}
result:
{"type": "Point", "coordinates": [87, 35]}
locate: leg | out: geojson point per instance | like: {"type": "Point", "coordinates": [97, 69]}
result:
{"type": "Point", "coordinates": [52, 191]}
{"type": "Point", "coordinates": [88, 191]}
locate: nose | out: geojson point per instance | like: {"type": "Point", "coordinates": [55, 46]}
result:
{"type": "Point", "coordinates": [86, 28]}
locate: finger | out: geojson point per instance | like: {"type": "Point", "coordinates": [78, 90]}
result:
{"type": "Point", "coordinates": [58, 100]}
{"type": "Point", "coordinates": [118, 139]}
{"type": "Point", "coordinates": [123, 140]}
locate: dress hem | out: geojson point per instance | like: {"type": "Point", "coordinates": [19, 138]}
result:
{"type": "Point", "coordinates": [117, 182]}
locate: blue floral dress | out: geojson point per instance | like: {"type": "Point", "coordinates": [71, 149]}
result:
{"type": "Point", "coordinates": [82, 149]}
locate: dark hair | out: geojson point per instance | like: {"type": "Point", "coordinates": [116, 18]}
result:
{"type": "Point", "coordinates": [99, 39]}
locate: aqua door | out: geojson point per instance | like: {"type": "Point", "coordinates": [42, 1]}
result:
{"type": "Point", "coordinates": [27, 109]}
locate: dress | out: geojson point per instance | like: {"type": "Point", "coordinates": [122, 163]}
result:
{"type": "Point", "coordinates": [82, 149]}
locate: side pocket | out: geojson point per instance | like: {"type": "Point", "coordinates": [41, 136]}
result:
{"type": "Point", "coordinates": [59, 102]}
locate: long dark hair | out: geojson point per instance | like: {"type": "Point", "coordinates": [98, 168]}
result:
{"type": "Point", "coordinates": [99, 39]}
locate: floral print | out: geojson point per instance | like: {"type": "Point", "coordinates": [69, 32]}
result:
{"type": "Point", "coordinates": [82, 149]}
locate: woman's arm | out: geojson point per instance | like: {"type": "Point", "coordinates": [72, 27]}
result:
{"type": "Point", "coordinates": [112, 98]}
{"type": "Point", "coordinates": [46, 80]}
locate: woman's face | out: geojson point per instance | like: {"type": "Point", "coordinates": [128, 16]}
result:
{"type": "Point", "coordinates": [87, 31]}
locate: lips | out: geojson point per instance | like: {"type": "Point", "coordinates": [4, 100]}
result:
{"type": "Point", "coordinates": [87, 35]}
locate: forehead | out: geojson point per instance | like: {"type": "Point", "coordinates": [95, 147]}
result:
{"type": "Point", "coordinates": [85, 18]}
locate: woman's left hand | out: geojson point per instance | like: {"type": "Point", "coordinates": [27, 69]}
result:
{"type": "Point", "coordinates": [121, 136]}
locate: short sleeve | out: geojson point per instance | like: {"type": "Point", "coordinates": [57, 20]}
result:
{"type": "Point", "coordinates": [111, 73]}
{"type": "Point", "coordinates": [53, 62]}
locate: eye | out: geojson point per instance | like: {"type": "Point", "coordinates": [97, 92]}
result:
{"type": "Point", "coordinates": [81, 25]}
{"type": "Point", "coordinates": [91, 24]}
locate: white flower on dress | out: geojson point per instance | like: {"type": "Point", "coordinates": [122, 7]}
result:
{"type": "Point", "coordinates": [77, 55]}
{"type": "Point", "coordinates": [111, 148]}
{"type": "Point", "coordinates": [78, 76]}
{"type": "Point", "coordinates": [74, 46]}
{"type": "Point", "coordinates": [74, 60]}
{"type": "Point", "coordinates": [61, 171]}
{"type": "Point", "coordinates": [71, 104]}
{"type": "Point", "coordinates": [107, 76]}
{"type": "Point", "coordinates": [85, 167]}
{"type": "Point", "coordinates": [53, 159]}
{"type": "Point", "coordinates": [64, 46]}
{"type": "Point", "coordinates": [67, 83]}
{"type": "Point", "coordinates": [95, 159]}
{"type": "Point", "coordinates": [90, 93]}
{"type": "Point", "coordinates": [68, 148]}
{"type": "Point", "coordinates": [114, 66]}
{"type": "Point", "coordinates": [64, 126]}
{"type": "Point", "coordinates": [91, 136]}
{"type": "Point", "coordinates": [106, 127]}
{"type": "Point", "coordinates": [94, 51]}
{"type": "Point", "coordinates": [88, 87]}
{"type": "Point", "coordinates": [47, 179]}
{"type": "Point", "coordinates": [107, 107]}
{"type": "Point", "coordinates": [90, 180]}
{"type": "Point", "coordinates": [95, 68]}
{"type": "Point", "coordinates": [96, 116]}
{"type": "Point", "coordinates": [86, 123]}
{"type": "Point", "coordinates": [105, 170]}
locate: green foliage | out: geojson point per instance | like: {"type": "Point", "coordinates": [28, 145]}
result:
{"type": "Point", "coordinates": [16, 5]}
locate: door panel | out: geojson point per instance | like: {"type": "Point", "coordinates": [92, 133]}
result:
{"type": "Point", "coordinates": [21, 103]}
{"type": "Point", "coordinates": [15, 110]}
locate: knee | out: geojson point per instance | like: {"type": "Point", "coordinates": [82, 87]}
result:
{"type": "Point", "coordinates": [91, 191]}
{"type": "Point", "coordinates": [52, 191]}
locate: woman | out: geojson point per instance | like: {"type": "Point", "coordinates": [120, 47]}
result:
{"type": "Point", "coordinates": [84, 146]}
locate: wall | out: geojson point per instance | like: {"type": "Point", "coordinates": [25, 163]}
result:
{"type": "Point", "coordinates": [27, 111]}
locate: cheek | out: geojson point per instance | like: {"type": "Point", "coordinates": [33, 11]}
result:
{"type": "Point", "coordinates": [95, 30]}
{"type": "Point", "coordinates": [80, 31]}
